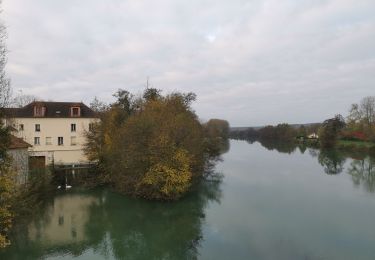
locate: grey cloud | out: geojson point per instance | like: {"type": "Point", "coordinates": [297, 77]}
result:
{"type": "Point", "coordinates": [251, 62]}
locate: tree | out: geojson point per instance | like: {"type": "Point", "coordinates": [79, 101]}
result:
{"type": "Point", "coordinates": [6, 178]}
{"type": "Point", "coordinates": [282, 132]}
{"type": "Point", "coordinates": [22, 100]}
{"type": "Point", "coordinates": [329, 131]}
{"type": "Point", "coordinates": [354, 116]}
{"type": "Point", "coordinates": [5, 89]}
{"type": "Point", "coordinates": [218, 128]}
{"type": "Point", "coordinates": [362, 117]}
{"type": "Point", "coordinates": [216, 133]}
{"type": "Point", "coordinates": [125, 100]}
{"type": "Point", "coordinates": [152, 94]}
{"type": "Point", "coordinates": [302, 132]}
{"type": "Point", "coordinates": [98, 106]}
{"type": "Point", "coordinates": [367, 108]}
{"type": "Point", "coordinates": [153, 147]}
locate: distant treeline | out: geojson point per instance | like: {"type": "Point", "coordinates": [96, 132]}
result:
{"type": "Point", "coordinates": [281, 132]}
{"type": "Point", "coordinates": [357, 130]}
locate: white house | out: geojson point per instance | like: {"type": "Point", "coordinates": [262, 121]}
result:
{"type": "Point", "coordinates": [313, 136]}
{"type": "Point", "coordinates": [56, 130]}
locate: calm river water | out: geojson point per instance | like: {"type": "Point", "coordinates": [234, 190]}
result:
{"type": "Point", "coordinates": [272, 203]}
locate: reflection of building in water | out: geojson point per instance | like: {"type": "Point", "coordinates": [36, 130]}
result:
{"type": "Point", "coordinates": [64, 223]}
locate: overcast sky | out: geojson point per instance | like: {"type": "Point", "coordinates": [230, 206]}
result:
{"type": "Point", "coordinates": [252, 62]}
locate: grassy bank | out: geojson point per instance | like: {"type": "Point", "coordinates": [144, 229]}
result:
{"type": "Point", "coordinates": [356, 145]}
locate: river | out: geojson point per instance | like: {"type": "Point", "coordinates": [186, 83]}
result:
{"type": "Point", "coordinates": [272, 202]}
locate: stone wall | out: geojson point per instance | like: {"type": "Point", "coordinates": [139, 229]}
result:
{"type": "Point", "coordinates": [20, 163]}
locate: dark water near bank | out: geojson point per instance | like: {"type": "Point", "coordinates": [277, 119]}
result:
{"type": "Point", "coordinates": [274, 202]}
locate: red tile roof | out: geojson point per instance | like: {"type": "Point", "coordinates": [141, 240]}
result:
{"type": "Point", "coordinates": [18, 143]}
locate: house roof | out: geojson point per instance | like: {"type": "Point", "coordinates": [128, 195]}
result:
{"type": "Point", "coordinates": [18, 143]}
{"type": "Point", "coordinates": [53, 110]}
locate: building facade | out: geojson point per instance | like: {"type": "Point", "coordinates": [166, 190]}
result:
{"type": "Point", "coordinates": [56, 130]}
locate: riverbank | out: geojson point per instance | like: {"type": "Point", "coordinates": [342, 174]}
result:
{"type": "Point", "coordinates": [346, 144]}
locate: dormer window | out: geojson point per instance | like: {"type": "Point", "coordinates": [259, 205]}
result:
{"type": "Point", "coordinates": [39, 111]}
{"type": "Point", "coordinates": [75, 111]}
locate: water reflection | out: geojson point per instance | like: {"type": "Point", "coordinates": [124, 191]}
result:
{"type": "Point", "coordinates": [281, 147]}
{"type": "Point", "coordinates": [115, 226]}
{"type": "Point", "coordinates": [363, 173]}
{"type": "Point", "coordinates": [332, 161]}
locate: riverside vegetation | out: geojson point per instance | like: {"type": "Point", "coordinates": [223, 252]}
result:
{"type": "Point", "coordinates": [356, 132]}
{"type": "Point", "coordinates": [153, 146]}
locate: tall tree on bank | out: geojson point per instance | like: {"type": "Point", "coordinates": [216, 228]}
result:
{"type": "Point", "coordinates": [6, 178]}
{"type": "Point", "coordinates": [362, 117]}
{"type": "Point", "coordinates": [330, 130]}
{"type": "Point", "coordinates": [5, 89]}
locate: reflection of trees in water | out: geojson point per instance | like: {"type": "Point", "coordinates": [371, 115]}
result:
{"type": "Point", "coordinates": [362, 166]}
{"type": "Point", "coordinates": [363, 173]}
{"type": "Point", "coordinates": [332, 161]}
{"type": "Point", "coordinates": [224, 146]}
{"type": "Point", "coordinates": [302, 148]}
{"type": "Point", "coordinates": [361, 169]}
{"type": "Point", "coordinates": [152, 230]}
{"type": "Point", "coordinates": [125, 227]}
{"type": "Point", "coordinates": [282, 147]}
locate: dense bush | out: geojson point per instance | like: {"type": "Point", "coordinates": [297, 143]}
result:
{"type": "Point", "coordinates": [353, 136]}
{"type": "Point", "coordinates": [153, 147]}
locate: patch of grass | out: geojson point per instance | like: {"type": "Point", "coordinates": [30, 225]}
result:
{"type": "Point", "coordinates": [357, 144]}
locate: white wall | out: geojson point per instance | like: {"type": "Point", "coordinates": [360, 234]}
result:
{"type": "Point", "coordinates": [54, 128]}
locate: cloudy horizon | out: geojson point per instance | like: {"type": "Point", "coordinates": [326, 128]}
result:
{"type": "Point", "coordinates": [249, 62]}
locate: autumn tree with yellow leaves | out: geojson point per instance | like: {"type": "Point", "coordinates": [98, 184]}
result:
{"type": "Point", "coordinates": [152, 146]}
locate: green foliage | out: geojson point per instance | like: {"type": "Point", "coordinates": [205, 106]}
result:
{"type": "Point", "coordinates": [282, 132]}
{"type": "Point", "coordinates": [302, 131]}
{"type": "Point", "coordinates": [330, 130]}
{"type": "Point", "coordinates": [6, 187]}
{"type": "Point", "coordinates": [124, 100]}
{"type": "Point", "coordinates": [6, 199]}
{"type": "Point", "coordinates": [153, 147]}
{"type": "Point", "coordinates": [152, 94]}
{"type": "Point", "coordinates": [6, 174]}
{"type": "Point", "coordinates": [216, 132]}
{"type": "Point", "coordinates": [4, 141]}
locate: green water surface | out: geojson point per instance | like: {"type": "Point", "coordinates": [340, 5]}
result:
{"type": "Point", "coordinates": [274, 202]}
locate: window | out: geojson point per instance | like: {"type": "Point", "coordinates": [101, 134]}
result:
{"type": "Point", "coordinates": [37, 128]}
{"type": "Point", "coordinates": [48, 140]}
{"type": "Point", "coordinates": [60, 140]}
{"type": "Point", "coordinates": [91, 127]}
{"type": "Point", "coordinates": [73, 140]}
{"type": "Point", "coordinates": [36, 140]}
{"type": "Point", "coordinates": [39, 111]}
{"type": "Point", "coordinates": [73, 127]}
{"type": "Point", "coordinates": [75, 111]}
{"type": "Point", "coordinates": [21, 127]}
